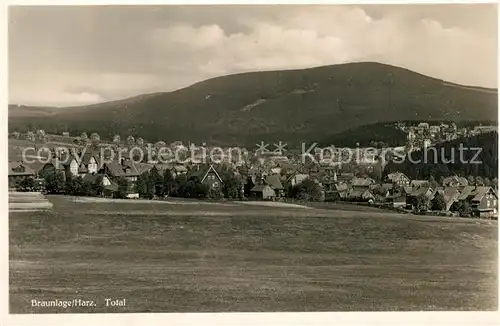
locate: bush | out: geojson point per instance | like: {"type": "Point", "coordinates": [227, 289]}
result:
{"type": "Point", "coordinates": [306, 190]}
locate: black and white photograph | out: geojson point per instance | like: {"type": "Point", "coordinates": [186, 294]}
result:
{"type": "Point", "coordinates": [252, 158]}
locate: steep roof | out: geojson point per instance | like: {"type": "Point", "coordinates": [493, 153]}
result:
{"type": "Point", "coordinates": [180, 168]}
{"type": "Point", "coordinates": [360, 192]}
{"type": "Point", "coordinates": [455, 179]}
{"type": "Point", "coordinates": [463, 181]}
{"type": "Point", "coordinates": [203, 171]}
{"type": "Point", "coordinates": [448, 193]}
{"type": "Point", "coordinates": [143, 167]}
{"type": "Point", "coordinates": [387, 186]}
{"type": "Point", "coordinates": [480, 192]}
{"type": "Point", "coordinates": [361, 182]}
{"type": "Point", "coordinates": [163, 166]}
{"type": "Point", "coordinates": [27, 170]}
{"type": "Point", "coordinates": [466, 192]}
{"type": "Point", "coordinates": [345, 176]}
{"type": "Point", "coordinates": [408, 189]}
{"type": "Point", "coordinates": [274, 182]}
{"type": "Point", "coordinates": [115, 169]}
{"type": "Point", "coordinates": [87, 157]}
{"type": "Point", "coordinates": [92, 177]}
{"type": "Point", "coordinates": [422, 190]}
{"type": "Point", "coordinates": [36, 166]}
{"type": "Point", "coordinates": [395, 176]}
{"type": "Point", "coordinates": [260, 188]}
{"type": "Point", "coordinates": [418, 183]}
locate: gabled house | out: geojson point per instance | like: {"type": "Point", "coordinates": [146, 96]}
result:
{"type": "Point", "coordinates": [485, 202]}
{"type": "Point", "coordinates": [179, 170]}
{"type": "Point", "coordinates": [397, 200]}
{"type": "Point", "coordinates": [418, 183]}
{"type": "Point", "coordinates": [482, 200]}
{"type": "Point", "coordinates": [144, 167]}
{"type": "Point", "coordinates": [341, 190]}
{"type": "Point", "coordinates": [296, 179]}
{"type": "Point", "coordinates": [397, 196]}
{"type": "Point", "coordinates": [18, 172]}
{"type": "Point", "coordinates": [263, 192]}
{"type": "Point", "coordinates": [411, 199]}
{"type": "Point", "coordinates": [382, 191]}
{"type": "Point", "coordinates": [274, 182]}
{"type": "Point", "coordinates": [127, 171]}
{"type": "Point", "coordinates": [450, 195]}
{"type": "Point", "coordinates": [361, 194]}
{"type": "Point", "coordinates": [81, 165]}
{"type": "Point", "coordinates": [455, 181]}
{"type": "Point", "coordinates": [328, 182]}
{"type": "Point", "coordinates": [109, 188]}
{"type": "Point", "coordinates": [398, 178]}
{"type": "Point", "coordinates": [362, 182]}
{"type": "Point", "coordinates": [345, 177]}
{"type": "Point", "coordinates": [208, 176]}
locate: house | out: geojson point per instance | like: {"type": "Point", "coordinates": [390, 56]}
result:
{"type": "Point", "coordinates": [264, 192]}
{"type": "Point", "coordinates": [484, 129]}
{"type": "Point", "coordinates": [398, 196]}
{"type": "Point", "coordinates": [398, 178]}
{"type": "Point", "coordinates": [127, 171]}
{"type": "Point", "coordinates": [208, 176]}
{"type": "Point", "coordinates": [79, 165]}
{"type": "Point", "coordinates": [411, 199]}
{"type": "Point", "coordinates": [340, 190]}
{"type": "Point", "coordinates": [423, 125]}
{"type": "Point", "coordinates": [362, 182]}
{"type": "Point", "coordinates": [397, 200]}
{"type": "Point", "coordinates": [483, 200]}
{"type": "Point", "coordinates": [274, 182]}
{"type": "Point", "coordinates": [161, 168]}
{"type": "Point", "coordinates": [360, 194]}
{"type": "Point", "coordinates": [382, 191]}
{"type": "Point", "coordinates": [434, 129]}
{"type": "Point", "coordinates": [275, 170]}
{"type": "Point", "coordinates": [297, 178]}
{"type": "Point", "coordinates": [345, 177]}
{"type": "Point", "coordinates": [44, 169]}
{"type": "Point", "coordinates": [179, 170]}
{"type": "Point", "coordinates": [328, 182]}
{"type": "Point", "coordinates": [450, 195]}
{"type": "Point", "coordinates": [455, 181]}
{"type": "Point", "coordinates": [144, 167]}
{"type": "Point", "coordinates": [109, 188]}
{"type": "Point", "coordinates": [18, 172]}
{"type": "Point", "coordinates": [418, 183]}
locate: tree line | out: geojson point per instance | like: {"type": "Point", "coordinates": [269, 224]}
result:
{"type": "Point", "coordinates": [445, 159]}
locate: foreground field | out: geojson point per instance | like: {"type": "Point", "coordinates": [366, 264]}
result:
{"type": "Point", "coordinates": [209, 257]}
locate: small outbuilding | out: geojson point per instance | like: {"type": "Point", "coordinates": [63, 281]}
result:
{"type": "Point", "coordinates": [264, 192]}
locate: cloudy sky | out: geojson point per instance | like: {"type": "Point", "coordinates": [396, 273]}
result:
{"type": "Point", "coordinates": [79, 55]}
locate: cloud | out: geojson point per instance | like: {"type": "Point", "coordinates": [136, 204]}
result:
{"type": "Point", "coordinates": [165, 49]}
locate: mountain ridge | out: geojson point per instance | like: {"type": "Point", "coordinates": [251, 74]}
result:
{"type": "Point", "coordinates": [292, 104]}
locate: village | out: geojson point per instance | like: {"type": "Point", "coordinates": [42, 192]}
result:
{"type": "Point", "coordinates": [425, 134]}
{"type": "Point", "coordinates": [269, 176]}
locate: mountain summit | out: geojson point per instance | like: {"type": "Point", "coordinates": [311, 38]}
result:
{"type": "Point", "coordinates": [290, 105]}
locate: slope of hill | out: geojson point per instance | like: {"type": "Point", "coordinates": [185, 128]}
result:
{"type": "Point", "coordinates": [479, 157]}
{"type": "Point", "coordinates": [292, 105]}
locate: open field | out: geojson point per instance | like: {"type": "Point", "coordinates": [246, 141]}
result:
{"type": "Point", "coordinates": [28, 201]}
{"type": "Point", "coordinates": [206, 257]}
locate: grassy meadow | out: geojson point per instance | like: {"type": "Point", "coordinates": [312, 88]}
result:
{"type": "Point", "coordinates": [183, 256]}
